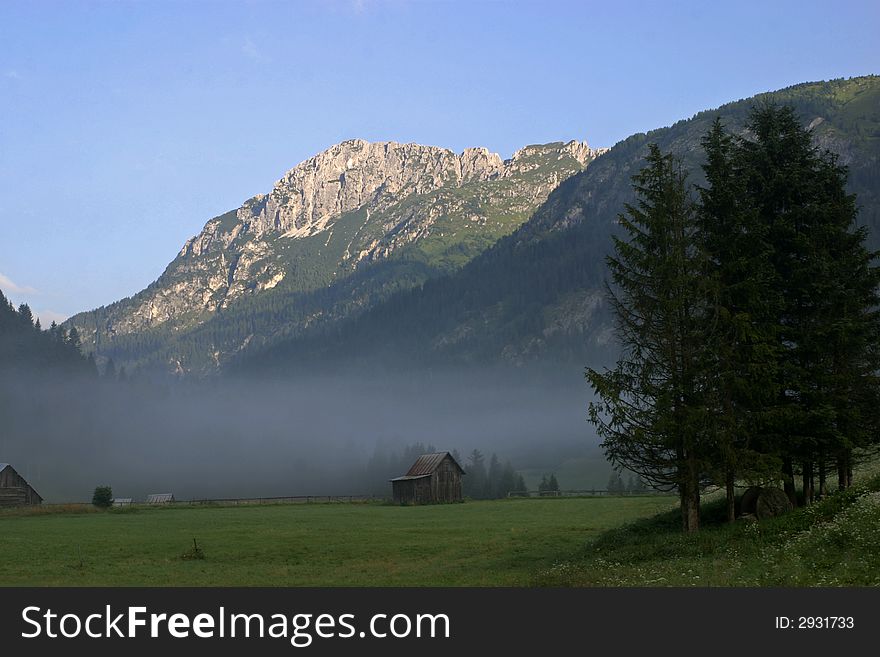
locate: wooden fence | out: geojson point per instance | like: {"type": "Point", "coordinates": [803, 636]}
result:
{"type": "Point", "coordinates": [291, 499]}
{"type": "Point", "coordinates": [349, 499]}
{"type": "Point", "coordinates": [593, 492]}
{"type": "Point", "coordinates": [234, 501]}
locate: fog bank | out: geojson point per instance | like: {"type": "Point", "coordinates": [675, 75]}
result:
{"type": "Point", "coordinates": [258, 438]}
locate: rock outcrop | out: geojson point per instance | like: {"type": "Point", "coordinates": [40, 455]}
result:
{"type": "Point", "coordinates": [355, 203]}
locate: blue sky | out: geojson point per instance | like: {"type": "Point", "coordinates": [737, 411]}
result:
{"type": "Point", "coordinates": [124, 126]}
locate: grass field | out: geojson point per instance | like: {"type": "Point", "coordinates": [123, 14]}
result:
{"type": "Point", "coordinates": [835, 542]}
{"type": "Point", "coordinates": [492, 543]}
{"type": "Point", "coordinates": [602, 541]}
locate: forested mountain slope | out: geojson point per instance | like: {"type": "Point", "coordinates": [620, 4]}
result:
{"type": "Point", "coordinates": [537, 296]}
{"type": "Point", "coordinates": [26, 348]}
{"type": "Point", "coordinates": [336, 234]}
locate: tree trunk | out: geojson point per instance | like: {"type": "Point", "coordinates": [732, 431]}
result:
{"type": "Point", "coordinates": [788, 481]}
{"type": "Point", "coordinates": [684, 500]}
{"type": "Point", "coordinates": [690, 492]}
{"type": "Point", "coordinates": [808, 482]}
{"type": "Point", "coordinates": [691, 509]}
{"type": "Point", "coordinates": [844, 469]}
{"type": "Point", "coordinates": [731, 496]}
{"type": "Point", "coordinates": [823, 484]}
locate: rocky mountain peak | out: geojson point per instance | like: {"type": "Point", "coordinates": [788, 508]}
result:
{"type": "Point", "coordinates": [353, 204]}
{"type": "Point", "coordinates": [480, 164]}
{"type": "Point", "coordinates": [343, 178]}
{"type": "Point", "coordinates": [581, 151]}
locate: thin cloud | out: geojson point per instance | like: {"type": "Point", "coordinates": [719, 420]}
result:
{"type": "Point", "coordinates": [7, 285]}
{"type": "Point", "coordinates": [361, 7]}
{"type": "Point", "coordinates": [250, 50]}
{"type": "Point", "coordinates": [12, 75]}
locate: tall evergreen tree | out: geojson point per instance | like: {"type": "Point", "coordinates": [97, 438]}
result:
{"type": "Point", "coordinates": [615, 483]}
{"type": "Point", "coordinates": [649, 408]}
{"type": "Point", "coordinates": [24, 312]}
{"type": "Point", "coordinates": [542, 485]}
{"type": "Point", "coordinates": [507, 481]}
{"type": "Point", "coordinates": [474, 484]}
{"type": "Point", "coordinates": [741, 348]}
{"type": "Point", "coordinates": [493, 478]}
{"type": "Point", "coordinates": [73, 337]}
{"type": "Point", "coordinates": [825, 282]}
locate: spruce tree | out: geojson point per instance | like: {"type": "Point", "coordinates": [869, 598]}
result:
{"type": "Point", "coordinates": [611, 487]}
{"type": "Point", "coordinates": [474, 483]}
{"type": "Point", "coordinates": [649, 409]}
{"type": "Point", "coordinates": [507, 481]}
{"type": "Point", "coordinates": [493, 479]}
{"type": "Point", "coordinates": [825, 283]}
{"type": "Point", "coordinates": [741, 347]}
{"type": "Point", "coordinates": [24, 312]}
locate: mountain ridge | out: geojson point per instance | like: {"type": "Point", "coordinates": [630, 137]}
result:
{"type": "Point", "coordinates": [354, 204]}
{"type": "Point", "coordinates": [536, 296]}
{"type": "Point", "coordinates": [530, 292]}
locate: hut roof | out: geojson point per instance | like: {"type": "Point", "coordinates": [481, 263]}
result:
{"type": "Point", "coordinates": [409, 478]}
{"type": "Point", "coordinates": [160, 498]}
{"type": "Point", "coordinates": [3, 466]}
{"type": "Point", "coordinates": [427, 463]}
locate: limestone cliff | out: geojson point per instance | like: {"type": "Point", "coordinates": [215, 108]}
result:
{"type": "Point", "coordinates": [354, 204]}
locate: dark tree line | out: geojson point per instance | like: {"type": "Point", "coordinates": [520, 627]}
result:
{"type": "Point", "coordinates": [26, 347]}
{"type": "Point", "coordinates": [748, 316]}
{"type": "Point", "coordinates": [548, 484]}
{"type": "Point", "coordinates": [488, 482]}
{"type": "Point", "coordinates": [633, 484]}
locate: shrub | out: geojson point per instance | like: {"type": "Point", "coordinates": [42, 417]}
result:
{"type": "Point", "coordinates": [103, 497]}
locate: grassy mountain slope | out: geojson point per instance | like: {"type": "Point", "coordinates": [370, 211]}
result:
{"type": "Point", "coordinates": [337, 234]}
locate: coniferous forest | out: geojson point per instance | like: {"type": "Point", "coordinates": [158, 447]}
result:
{"type": "Point", "coordinates": [747, 308]}
{"type": "Point", "coordinates": [26, 347]}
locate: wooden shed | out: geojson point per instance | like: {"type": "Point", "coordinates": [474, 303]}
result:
{"type": "Point", "coordinates": [14, 490]}
{"type": "Point", "coordinates": [432, 479]}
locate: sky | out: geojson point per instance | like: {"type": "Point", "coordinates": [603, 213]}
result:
{"type": "Point", "coordinates": [125, 126]}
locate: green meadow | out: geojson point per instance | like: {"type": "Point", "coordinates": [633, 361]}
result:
{"type": "Point", "coordinates": [477, 543]}
{"type": "Point", "coordinates": [599, 541]}
{"type": "Point", "coordinates": [834, 542]}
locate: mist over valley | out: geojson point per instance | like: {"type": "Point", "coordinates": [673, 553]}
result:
{"type": "Point", "coordinates": [382, 296]}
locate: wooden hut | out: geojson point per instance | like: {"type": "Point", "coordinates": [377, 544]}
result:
{"type": "Point", "coordinates": [432, 479]}
{"type": "Point", "coordinates": [14, 490]}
